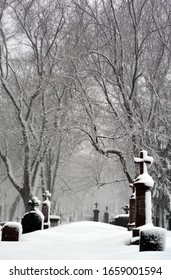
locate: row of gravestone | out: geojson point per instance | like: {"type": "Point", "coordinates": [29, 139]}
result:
{"type": "Point", "coordinates": [149, 237]}
{"type": "Point", "coordinates": [96, 212]}
{"type": "Point", "coordinates": [31, 221]}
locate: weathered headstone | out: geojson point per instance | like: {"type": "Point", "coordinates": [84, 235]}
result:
{"type": "Point", "coordinates": [143, 184]}
{"type": "Point", "coordinates": [106, 216]}
{"type": "Point", "coordinates": [33, 220]}
{"type": "Point", "coordinates": [11, 231]}
{"type": "Point", "coordinates": [96, 213]}
{"type": "Point", "coordinates": [46, 209]}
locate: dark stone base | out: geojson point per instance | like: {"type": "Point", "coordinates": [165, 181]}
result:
{"type": "Point", "coordinates": [135, 232]}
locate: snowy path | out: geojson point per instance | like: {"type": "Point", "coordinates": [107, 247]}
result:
{"type": "Point", "coordinates": [80, 240]}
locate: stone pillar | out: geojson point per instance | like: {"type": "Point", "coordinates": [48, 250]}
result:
{"type": "Point", "coordinates": [106, 216]}
{"type": "Point", "coordinates": [46, 209]}
{"type": "Point", "coordinates": [96, 213]}
{"type": "Point", "coordinates": [132, 212]}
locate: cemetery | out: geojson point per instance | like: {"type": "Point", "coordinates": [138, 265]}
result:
{"type": "Point", "coordinates": [131, 235]}
{"type": "Point", "coordinates": [85, 126]}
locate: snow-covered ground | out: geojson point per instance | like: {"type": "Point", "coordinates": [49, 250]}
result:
{"type": "Point", "coordinates": [80, 241]}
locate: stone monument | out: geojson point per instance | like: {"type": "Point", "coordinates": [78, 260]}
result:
{"type": "Point", "coordinates": [46, 209]}
{"type": "Point", "coordinates": [106, 216]}
{"type": "Point", "coordinates": [96, 213]}
{"type": "Point", "coordinates": [143, 185]}
{"type": "Point", "coordinates": [11, 231]}
{"type": "Point", "coordinates": [33, 220]}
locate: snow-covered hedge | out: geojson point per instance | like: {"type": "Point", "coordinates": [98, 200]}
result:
{"type": "Point", "coordinates": [122, 220]}
{"type": "Point", "coordinates": [152, 238]}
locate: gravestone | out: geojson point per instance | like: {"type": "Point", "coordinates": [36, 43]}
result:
{"type": "Point", "coordinates": [11, 231]}
{"type": "Point", "coordinates": [32, 220]}
{"type": "Point", "coordinates": [46, 209]}
{"type": "Point", "coordinates": [132, 210]}
{"type": "Point", "coordinates": [143, 184]}
{"type": "Point", "coordinates": [96, 213]}
{"type": "Point", "coordinates": [106, 216]}
{"type": "Point", "coordinates": [54, 220]}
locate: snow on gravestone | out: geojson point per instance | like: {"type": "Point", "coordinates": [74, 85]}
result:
{"type": "Point", "coordinates": [46, 209]}
{"type": "Point", "coordinates": [151, 238]}
{"type": "Point", "coordinates": [143, 184]}
{"type": "Point", "coordinates": [11, 231]}
{"type": "Point", "coordinates": [33, 220]}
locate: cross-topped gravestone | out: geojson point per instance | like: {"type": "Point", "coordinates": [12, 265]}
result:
{"type": "Point", "coordinates": [33, 220]}
{"type": "Point", "coordinates": [96, 213]}
{"type": "Point", "coordinates": [143, 184]}
{"type": "Point", "coordinates": [46, 209]}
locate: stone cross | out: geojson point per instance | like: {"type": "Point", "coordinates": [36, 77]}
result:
{"type": "Point", "coordinates": [34, 202]}
{"type": "Point", "coordinates": [143, 160]}
{"type": "Point", "coordinates": [96, 204]}
{"type": "Point", "coordinates": [143, 184]}
{"type": "Point", "coordinates": [96, 213]}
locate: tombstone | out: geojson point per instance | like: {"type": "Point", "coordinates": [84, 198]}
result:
{"type": "Point", "coordinates": [32, 220]}
{"type": "Point", "coordinates": [11, 231]}
{"type": "Point", "coordinates": [54, 220]}
{"type": "Point", "coordinates": [46, 209]}
{"type": "Point", "coordinates": [132, 210]}
{"type": "Point", "coordinates": [106, 216]}
{"type": "Point", "coordinates": [143, 184]}
{"type": "Point", "coordinates": [96, 213]}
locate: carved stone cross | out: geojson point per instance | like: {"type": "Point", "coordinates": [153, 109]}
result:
{"type": "Point", "coordinates": [33, 203]}
{"type": "Point", "coordinates": [143, 160]}
{"type": "Point", "coordinates": [46, 195]}
{"type": "Point", "coordinates": [96, 204]}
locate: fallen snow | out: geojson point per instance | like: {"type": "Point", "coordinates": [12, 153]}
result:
{"type": "Point", "coordinates": [80, 241]}
{"type": "Point", "coordinates": [145, 179]}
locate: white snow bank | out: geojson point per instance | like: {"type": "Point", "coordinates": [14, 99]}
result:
{"type": "Point", "coordinates": [79, 241]}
